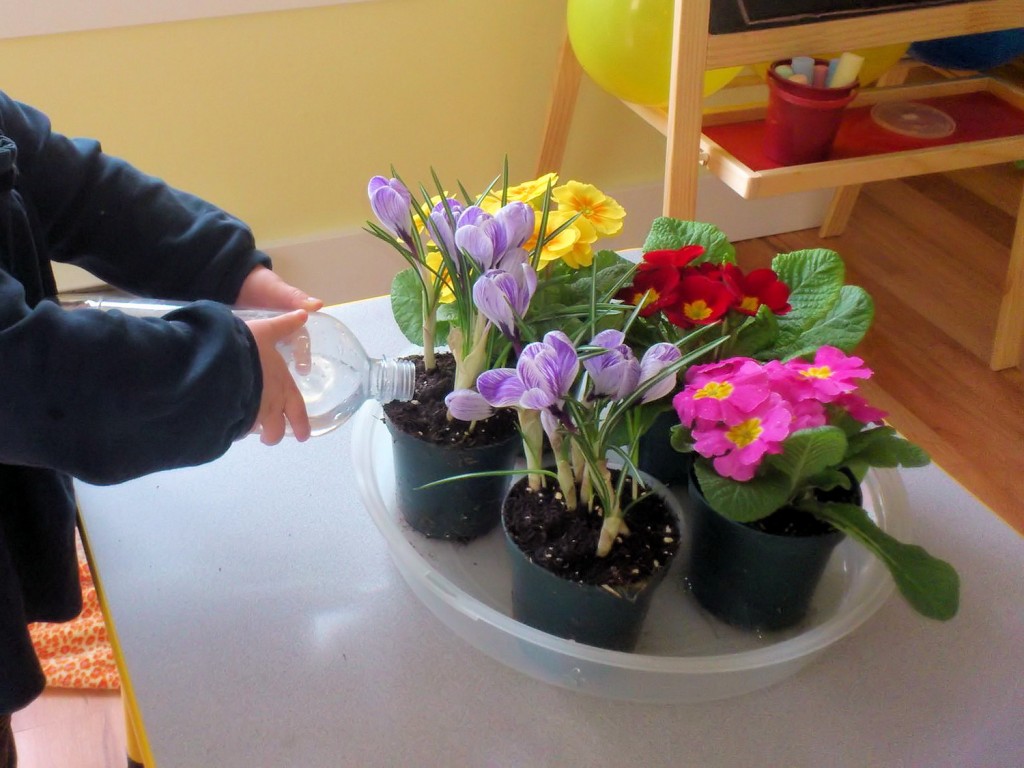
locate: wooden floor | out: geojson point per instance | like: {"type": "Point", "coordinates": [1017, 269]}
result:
{"type": "Point", "coordinates": [71, 729]}
{"type": "Point", "coordinates": [933, 252]}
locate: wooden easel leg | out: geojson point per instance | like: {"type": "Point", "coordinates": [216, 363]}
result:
{"type": "Point", "coordinates": [685, 109]}
{"type": "Point", "coordinates": [1009, 336]}
{"type": "Point", "coordinates": [563, 103]}
{"type": "Point", "coordinates": [839, 210]}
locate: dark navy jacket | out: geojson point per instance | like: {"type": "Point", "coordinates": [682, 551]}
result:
{"type": "Point", "coordinates": [101, 396]}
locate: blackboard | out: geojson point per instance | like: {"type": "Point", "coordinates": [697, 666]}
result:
{"type": "Point", "coordinates": [747, 15]}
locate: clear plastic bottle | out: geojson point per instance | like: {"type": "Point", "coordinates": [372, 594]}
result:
{"type": "Point", "coordinates": [330, 367]}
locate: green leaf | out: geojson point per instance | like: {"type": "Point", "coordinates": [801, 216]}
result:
{"type": "Point", "coordinates": [809, 452]}
{"type": "Point", "coordinates": [407, 304]}
{"type": "Point", "coordinates": [646, 414]}
{"type": "Point", "coordinates": [670, 234]}
{"type": "Point", "coordinates": [842, 326]}
{"type": "Point", "coordinates": [815, 279]}
{"type": "Point", "coordinates": [447, 312]}
{"type": "Point", "coordinates": [884, 447]}
{"type": "Point", "coordinates": [829, 479]}
{"type": "Point", "coordinates": [929, 584]}
{"type": "Point", "coordinates": [814, 276]}
{"type": "Point", "coordinates": [742, 502]}
{"type": "Point", "coordinates": [407, 308]}
{"type": "Point", "coordinates": [610, 267]}
{"type": "Point", "coordinates": [681, 438]}
{"type": "Point", "coordinates": [756, 333]}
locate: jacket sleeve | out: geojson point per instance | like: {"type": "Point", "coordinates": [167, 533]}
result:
{"type": "Point", "coordinates": [103, 396]}
{"type": "Point", "coordinates": [107, 397]}
{"type": "Point", "coordinates": [127, 228]}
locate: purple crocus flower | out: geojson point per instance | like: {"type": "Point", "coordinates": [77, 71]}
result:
{"type": "Point", "coordinates": [442, 226]}
{"type": "Point", "coordinates": [539, 382]}
{"type": "Point", "coordinates": [390, 201]}
{"type": "Point", "coordinates": [513, 260]}
{"type": "Point", "coordinates": [655, 360]}
{"type": "Point", "coordinates": [481, 236]}
{"type": "Point", "coordinates": [501, 296]}
{"type": "Point", "coordinates": [468, 405]}
{"type": "Point", "coordinates": [517, 219]}
{"type": "Point", "coordinates": [615, 373]}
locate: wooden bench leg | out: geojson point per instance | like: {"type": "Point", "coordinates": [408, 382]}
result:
{"type": "Point", "coordinates": [563, 103]}
{"type": "Point", "coordinates": [1009, 336]}
{"type": "Point", "coordinates": [844, 198]}
{"type": "Point", "coordinates": [839, 210]}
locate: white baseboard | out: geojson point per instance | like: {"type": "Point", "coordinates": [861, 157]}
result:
{"type": "Point", "coordinates": [351, 264]}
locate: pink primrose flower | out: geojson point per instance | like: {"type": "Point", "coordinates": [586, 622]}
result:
{"type": "Point", "coordinates": [723, 391]}
{"type": "Point", "coordinates": [698, 374]}
{"type": "Point", "coordinates": [738, 447]}
{"type": "Point", "coordinates": [831, 374]}
{"type": "Point", "coordinates": [808, 414]}
{"type": "Point", "coordinates": [860, 409]}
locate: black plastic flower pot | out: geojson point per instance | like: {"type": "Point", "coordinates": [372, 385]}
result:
{"type": "Point", "coordinates": [658, 458]}
{"type": "Point", "coordinates": [587, 613]}
{"type": "Point", "coordinates": [751, 578]}
{"type": "Point", "coordinates": [582, 612]}
{"type": "Point", "coordinates": [460, 510]}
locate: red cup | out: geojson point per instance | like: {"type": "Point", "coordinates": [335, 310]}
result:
{"type": "Point", "coordinates": [802, 121]}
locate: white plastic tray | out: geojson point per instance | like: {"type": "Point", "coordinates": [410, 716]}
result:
{"type": "Point", "coordinates": [684, 655]}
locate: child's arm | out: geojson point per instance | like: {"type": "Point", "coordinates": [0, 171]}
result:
{"type": "Point", "coordinates": [127, 228]}
{"type": "Point", "coordinates": [107, 397]}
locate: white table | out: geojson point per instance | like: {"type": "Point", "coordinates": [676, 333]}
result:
{"type": "Point", "coordinates": [263, 623]}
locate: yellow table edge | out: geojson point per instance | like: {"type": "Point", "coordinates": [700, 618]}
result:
{"type": "Point", "coordinates": [137, 743]}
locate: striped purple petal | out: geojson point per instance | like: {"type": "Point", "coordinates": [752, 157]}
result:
{"type": "Point", "coordinates": [654, 361]}
{"type": "Point", "coordinates": [500, 387]}
{"type": "Point", "coordinates": [468, 405]}
{"type": "Point", "coordinates": [390, 201]}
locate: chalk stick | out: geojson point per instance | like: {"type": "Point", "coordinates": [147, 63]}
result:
{"type": "Point", "coordinates": [784, 71]}
{"type": "Point", "coordinates": [798, 78]}
{"type": "Point", "coordinates": [846, 70]}
{"type": "Point", "coordinates": [804, 65]}
{"type": "Point", "coordinates": [820, 75]}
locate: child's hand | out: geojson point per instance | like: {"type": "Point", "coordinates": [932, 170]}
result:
{"type": "Point", "coordinates": [281, 399]}
{"type": "Point", "coordinates": [263, 289]}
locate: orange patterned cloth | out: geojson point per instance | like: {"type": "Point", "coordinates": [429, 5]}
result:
{"type": "Point", "coordinates": [77, 653]}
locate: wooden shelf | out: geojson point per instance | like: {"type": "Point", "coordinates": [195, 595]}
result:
{"type": "Point", "coordinates": [732, 153]}
{"type": "Point", "coordinates": [863, 151]}
{"type": "Point", "coordinates": [990, 130]}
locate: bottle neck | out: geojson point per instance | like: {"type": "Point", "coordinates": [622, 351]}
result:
{"type": "Point", "coordinates": [392, 379]}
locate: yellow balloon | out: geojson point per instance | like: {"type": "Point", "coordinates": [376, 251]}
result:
{"type": "Point", "coordinates": [877, 61]}
{"type": "Point", "coordinates": [625, 46]}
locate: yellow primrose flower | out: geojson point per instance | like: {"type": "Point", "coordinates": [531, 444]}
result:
{"type": "Point", "coordinates": [529, 191]}
{"type": "Point", "coordinates": [581, 254]}
{"type": "Point", "coordinates": [592, 204]}
{"type": "Point", "coordinates": [558, 246]}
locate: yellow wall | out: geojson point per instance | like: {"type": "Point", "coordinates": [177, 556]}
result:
{"type": "Point", "coordinates": [281, 118]}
